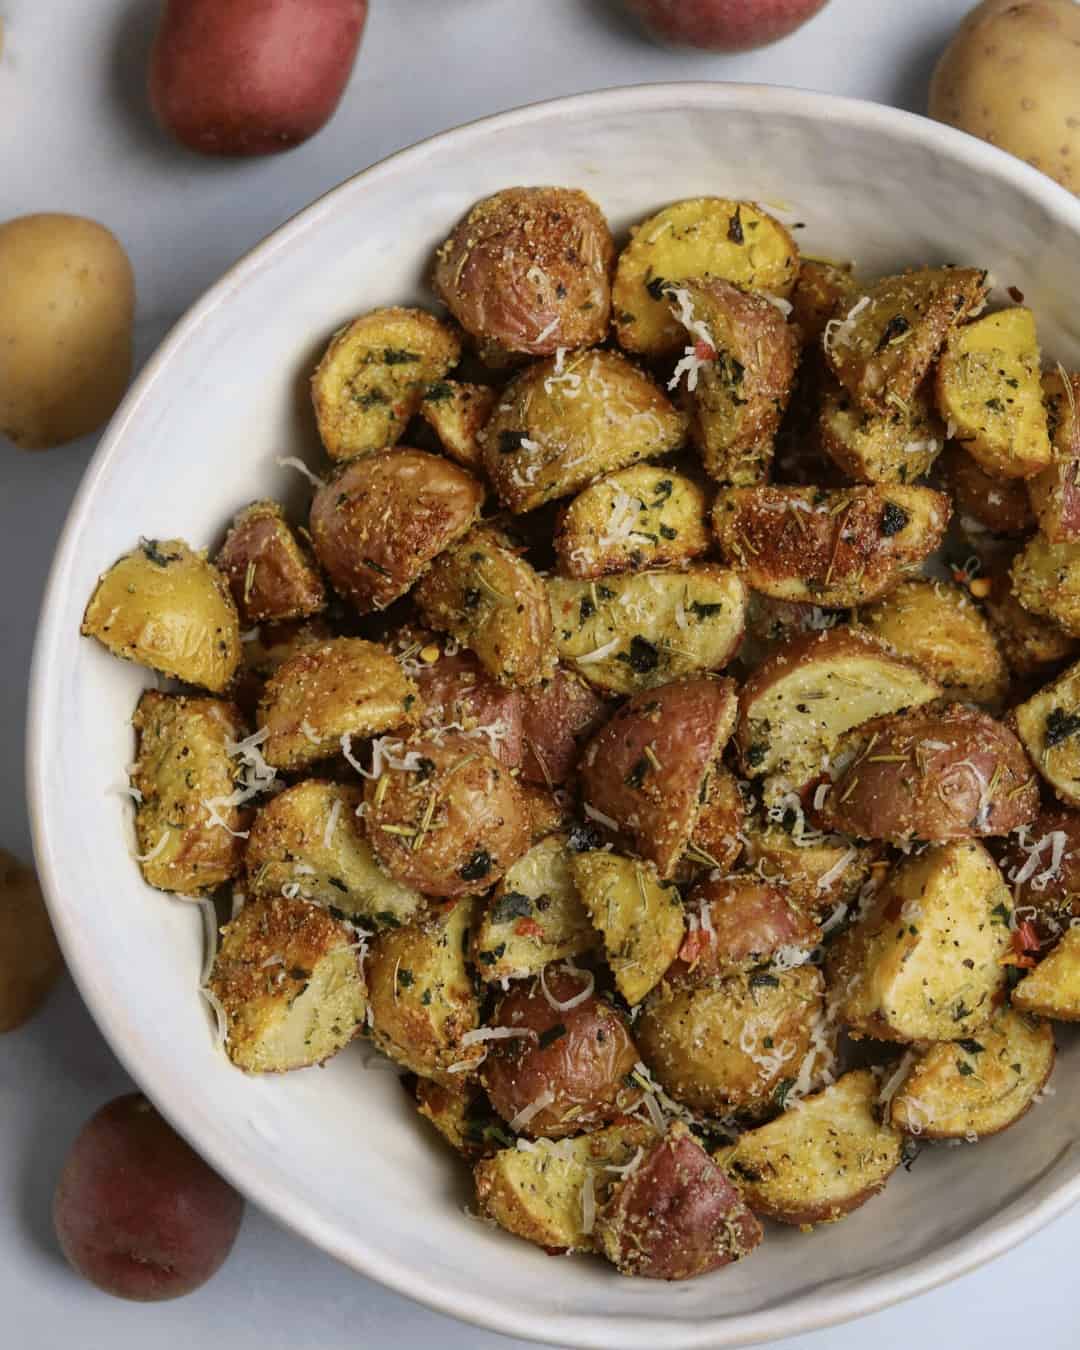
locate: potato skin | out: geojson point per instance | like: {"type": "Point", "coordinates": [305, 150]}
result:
{"type": "Point", "coordinates": [585, 1065]}
{"type": "Point", "coordinates": [270, 576]}
{"type": "Point", "coordinates": [457, 689]}
{"type": "Point", "coordinates": [558, 716]}
{"type": "Point", "coordinates": [528, 270]}
{"type": "Point", "coordinates": [676, 1215]}
{"type": "Point", "coordinates": [137, 1211]}
{"type": "Point", "coordinates": [749, 921]}
{"type": "Point", "coordinates": [1050, 896]}
{"type": "Point", "coordinates": [30, 960]}
{"type": "Point", "coordinates": [224, 80]}
{"type": "Point", "coordinates": [808, 873]}
{"type": "Point", "coordinates": [377, 526]}
{"type": "Point", "coordinates": [1055, 493]}
{"type": "Point", "coordinates": [1001, 505]}
{"type": "Point", "coordinates": [67, 306]}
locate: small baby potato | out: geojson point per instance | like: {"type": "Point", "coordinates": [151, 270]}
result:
{"type": "Point", "coordinates": [451, 822]}
{"type": "Point", "coordinates": [896, 446]}
{"type": "Point", "coordinates": [990, 393]}
{"type": "Point", "coordinates": [1048, 724]}
{"type": "Point", "coordinates": [717, 837]}
{"type": "Point", "coordinates": [189, 833]}
{"type": "Point", "coordinates": [456, 691]}
{"type": "Point", "coordinates": [643, 517]}
{"type": "Point", "coordinates": [1000, 505]}
{"type": "Point", "coordinates": [704, 236]}
{"type": "Point", "coordinates": [882, 348]}
{"type": "Point", "coordinates": [1055, 493]}
{"type": "Point", "coordinates": [740, 368]}
{"type": "Point", "coordinates": [567, 1070]}
{"type": "Point", "coordinates": [676, 1215]}
{"type": "Point", "coordinates": [924, 960]}
{"type": "Point", "coordinates": [535, 916]}
{"type": "Point", "coordinates": [165, 607]}
{"type": "Point", "coordinates": [838, 548]}
{"type": "Point", "coordinates": [423, 1003]}
{"type": "Point", "coordinates": [290, 982]}
{"type": "Point", "coordinates": [821, 1162]}
{"type": "Point", "coordinates": [271, 577]}
{"type": "Point", "coordinates": [1046, 581]}
{"type": "Point", "coordinates": [731, 1044]}
{"type": "Point", "coordinates": [744, 923]}
{"type": "Point", "coordinates": [308, 842]}
{"type": "Point", "coordinates": [639, 917]}
{"type": "Point", "coordinates": [30, 960]}
{"type": "Point", "coordinates": [647, 768]}
{"type": "Point", "coordinates": [558, 716]}
{"type": "Point", "coordinates": [1052, 989]}
{"type": "Point", "coordinates": [940, 628]}
{"type": "Point", "coordinates": [377, 526]}
{"type": "Point", "coordinates": [819, 876]}
{"type": "Point", "coordinates": [373, 377]}
{"type": "Point", "coordinates": [822, 289]}
{"type": "Point", "coordinates": [457, 413]}
{"type": "Point", "coordinates": [491, 600]}
{"type": "Point", "coordinates": [137, 1211]}
{"type": "Point", "coordinates": [639, 630]}
{"type": "Point", "coordinates": [322, 695]}
{"type": "Point", "coordinates": [979, 1086]}
{"type": "Point", "coordinates": [561, 423]}
{"type": "Point", "coordinates": [925, 774]}
{"type": "Point", "coordinates": [1033, 647]}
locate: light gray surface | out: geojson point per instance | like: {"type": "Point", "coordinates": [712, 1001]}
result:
{"type": "Point", "coordinates": [70, 86]}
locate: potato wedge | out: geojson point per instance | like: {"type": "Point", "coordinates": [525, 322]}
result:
{"type": "Point", "coordinates": [30, 960]}
{"type": "Point", "coordinates": [819, 874]}
{"type": "Point", "coordinates": [271, 577]}
{"type": "Point", "coordinates": [821, 289]}
{"type": "Point", "coordinates": [821, 1162]}
{"type": "Point", "coordinates": [925, 774]}
{"type": "Point", "coordinates": [1048, 724]}
{"type": "Point", "coordinates": [643, 517]}
{"type": "Point", "coordinates": [640, 630]}
{"type": "Point", "coordinates": [558, 716]}
{"type": "Point", "coordinates": [896, 446]}
{"type": "Point", "coordinates": [990, 393]}
{"type": "Point", "coordinates": [741, 923]}
{"type": "Point", "coordinates": [1055, 492]}
{"type": "Point", "coordinates": [839, 548]}
{"type": "Point", "coordinates": [1033, 646]}
{"type": "Point", "coordinates": [1000, 505]}
{"type": "Point", "coordinates": [639, 917]}
{"type": "Point", "coordinates": [491, 600]}
{"type": "Point", "coordinates": [166, 607]}
{"type": "Point", "coordinates": [535, 916]}
{"type": "Point", "coordinates": [1052, 989]}
{"type": "Point", "coordinates": [882, 348]}
{"type": "Point", "coordinates": [290, 983]}
{"type": "Point", "coordinates": [373, 375]}
{"type": "Point", "coordinates": [704, 236]}
{"type": "Point", "coordinates": [457, 412]}
{"type": "Point", "coordinates": [646, 769]}
{"type": "Point", "coordinates": [1046, 581]}
{"type": "Point", "coordinates": [979, 1086]}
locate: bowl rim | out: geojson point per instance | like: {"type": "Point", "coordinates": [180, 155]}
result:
{"type": "Point", "coordinates": [838, 1301]}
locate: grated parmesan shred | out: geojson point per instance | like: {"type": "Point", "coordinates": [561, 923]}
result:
{"type": "Point", "coordinates": [531, 1110]}
{"type": "Point", "coordinates": [291, 462]}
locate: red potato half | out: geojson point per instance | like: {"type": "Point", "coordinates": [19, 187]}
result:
{"type": "Point", "coordinates": [747, 923]}
{"type": "Point", "coordinates": [251, 77]}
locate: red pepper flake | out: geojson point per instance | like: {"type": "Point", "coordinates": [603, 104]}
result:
{"type": "Point", "coordinates": [1025, 938]}
{"type": "Point", "coordinates": [529, 928]}
{"type": "Point", "coordinates": [704, 351]}
{"type": "Point", "coordinates": [694, 947]}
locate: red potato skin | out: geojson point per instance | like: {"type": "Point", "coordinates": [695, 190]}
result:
{"type": "Point", "coordinates": [1050, 905]}
{"type": "Point", "coordinates": [137, 1211]}
{"type": "Point", "coordinates": [558, 716]}
{"type": "Point", "coordinates": [251, 77]}
{"type": "Point", "coordinates": [722, 25]}
{"type": "Point", "coordinates": [458, 689]}
{"type": "Point", "coordinates": [751, 920]}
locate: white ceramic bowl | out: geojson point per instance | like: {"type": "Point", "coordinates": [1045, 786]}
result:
{"type": "Point", "coordinates": [337, 1154]}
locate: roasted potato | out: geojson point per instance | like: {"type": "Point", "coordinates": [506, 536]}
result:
{"type": "Point", "coordinates": [188, 825]}
{"type": "Point", "coordinates": [1048, 723]}
{"type": "Point", "coordinates": [30, 960]}
{"type": "Point", "coordinates": [562, 422]}
{"type": "Point", "coordinates": [1033, 646]}
{"type": "Point", "coordinates": [558, 716]}
{"type": "Point", "coordinates": [1046, 581]}
{"type": "Point", "coordinates": [290, 983]}
{"type": "Point", "coordinates": [882, 348]}
{"type": "Point", "coordinates": [647, 768]}
{"type": "Point", "coordinates": [463, 1116]}
{"type": "Point", "coordinates": [491, 600]}
{"type": "Point", "coordinates": [896, 446]}
{"type": "Point", "coordinates": [940, 628]}
{"type": "Point", "coordinates": [423, 1004]}
{"type": "Point", "coordinates": [802, 699]}
{"type": "Point", "coordinates": [704, 236]}
{"type": "Point", "coordinates": [818, 873]}
{"type": "Point", "coordinates": [529, 270]}
{"type": "Point", "coordinates": [457, 693]}
{"type": "Point", "coordinates": [639, 917]}
{"type": "Point", "coordinates": [457, 412]}
{"type": "Point", "coordinates": [718, 835]}
{"type": "Point", "coordinates": [839, 548]}
{"type": "Point", "coordinates": [820, 290]}
{"type": "Point", "coordinates": [927, 774]}
{"type": "Point", "coordinates": [637, 631]}
{"type": "Point", "coordinates": [323, 695]}
{"type": "Point", "coordinates": [270, 576]}
{"type": "Point", "coordinates": [989, 392]}
{"type": "Point", "coordinates": [1052, 989]}
{"type": "Point", "coordinates": [567, 1068]}
{"type": "Point", "coordinates": [1055, 493]}
{"type": "Point", "coordinates": [377, 526]}
{"type": "Point", "coordinates": [166, 607]}
{"type": "Point", "coordinates": [308, 842]}
{"type": "Point", "coordinates": [534, 917]}
{"type": "Point", "coordinates": [445, 817]}
{"type": "Point", "coordinates": [1000, 505]}
{"type": "Point", "coordinates": [373, 377]}
{"type": "Point", "coordinates": [740, 923]}
{"type": "Point", "coordinates": [1042, 865]}
{"type": "Point", "coordinates": [979, 1086]}
{"type": "Point", "coordinates": [924, 960]}
{"type": "Point", "coordinates": [643, 517]}
{"type": "Point", "coordinates": [676, 1215]}
{"type": "Point", "coordinates": [820, 1162]}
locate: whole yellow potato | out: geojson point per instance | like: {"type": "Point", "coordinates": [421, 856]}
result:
{"type": "Point", "coordinates": [1011, 75]}
{"type": "Point", "coordinates": [67, 301]}
{"type": "Point", "coordinates": [30, 960]}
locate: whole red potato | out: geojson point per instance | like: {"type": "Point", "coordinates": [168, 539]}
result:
{"type": "Point", "coordinates": [251, 77]}
{"type": "Point", "coordinates": [137, 1211]}
{"type": "Point", "coordinates": [722, 25]}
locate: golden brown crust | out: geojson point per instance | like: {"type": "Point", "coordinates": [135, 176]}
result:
{"type": "Point", "coordinates": [1052, 989]}
{"type": "Point", "coordinates": [271, 577]}
{"type": "Point", "coordinates": [817, 874]}
{"type": "Point", "coordinates": [1033, 646]}
{"type": "Point", "coordinates": [1048, 724]}
{"type": "Point", "coordinates": [820, 291]}
{"type": "Point", "coordinates": [1055, 492]}
{"type": "Point", "coordinates": [457, 412]}
{"type": "Point", "coordinates": [1046, 581]}
{"type": "Point", "coordinates": [897, 446]}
